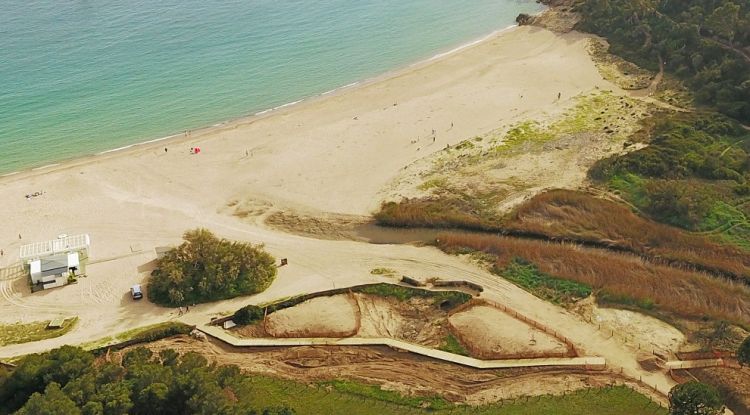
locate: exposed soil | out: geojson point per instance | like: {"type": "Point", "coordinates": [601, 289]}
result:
{"type": "Point", "coordinates": [416, 320]}
{"type": "Point", "coordinates": [489, 333]}
{"type": "Point", "coordinates": [319, 317]}
{"type": "Point", "coordinates": [403, 372]}
{"type": "Point", "coordinates": [650, 333]}
{"type": "Point", "coordinates": [486, 332]}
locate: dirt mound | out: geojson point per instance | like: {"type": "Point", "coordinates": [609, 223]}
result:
{"type": "Point", "coordinates": [319, 317]}
{"type": "Point", "coordinates": [647, 332]}
{"type": "Point", "coordinates": [417, 320]}
{"type": "Point", "coordinates": [492, 334]}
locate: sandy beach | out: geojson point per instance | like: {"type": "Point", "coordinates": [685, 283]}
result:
{"type": "Point", "coordinates": [334, 154]}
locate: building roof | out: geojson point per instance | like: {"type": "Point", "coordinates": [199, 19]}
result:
{"type": "Point", "coordinates": [54, 265]}
{"type": "Point", "coordinates": [55, 246]}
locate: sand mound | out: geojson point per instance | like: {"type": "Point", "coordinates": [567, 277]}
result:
{"type": "Point", "coordinates": [492, 334]}
{"type": "Point", "coordinates": [319, 317]}
{"type": "Point", "coordinates": [648, 332]}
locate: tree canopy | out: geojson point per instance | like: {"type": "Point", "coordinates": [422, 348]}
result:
{"type": "Point", "coordinates": [694, 398]}
{"type": "Point", "coordinates": [206, 268]}
{"type": "Point", "coordinates": [68, 381]}
{"type": "Point", "coordinates": [704, 42]}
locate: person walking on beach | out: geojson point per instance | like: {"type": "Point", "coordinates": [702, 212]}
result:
{"type": "Point", "coordinates": [559, 94]}
{"type": "Point", "coordinates": [165, 149]}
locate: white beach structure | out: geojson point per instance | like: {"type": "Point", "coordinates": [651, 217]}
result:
{"type": "Point", "coordinates": [51, 263]}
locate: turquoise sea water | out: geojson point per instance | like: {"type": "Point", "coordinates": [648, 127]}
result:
{"type": "Point", "coordinates": [82, 76]}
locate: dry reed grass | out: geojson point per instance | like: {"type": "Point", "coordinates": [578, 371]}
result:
{"type": "Point", "coordinates": [582, 217]}
{"type": "Point", "coordinates": [578, 217]}
{"type": "Point", "coordinates": [685, 293]}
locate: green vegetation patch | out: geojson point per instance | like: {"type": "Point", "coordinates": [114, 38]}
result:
{"type": "Point", "coordinates": [596, 113]}
{"type": "Point", "coordinates": [605, 298]}
{"type": "Point", "coordinates": [556, 290]}
{"type": "Point", "coordinates": [401, 293]}
{"type": "Point", "coordinates": [143, 334]}
{"type": "Point", "coordinates": [205, 268]}
{"type": "Point", "coordinates": [451, 344]}
{"type": "Point", "coordinates": [694, 174]}
{"type": "Point", "coordinates": [375, 392]}
{"type": "Point", "coordinates": [324, 399]}
{"type": "Point", "coordinates": [382, 271]}
{"type": "Point", "coordinates": [31, 332]}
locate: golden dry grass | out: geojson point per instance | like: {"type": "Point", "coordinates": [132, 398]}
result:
{"type": "Point", "coordinates": [685, 293]}
{"type": "Point", "coordinates": [582, 217]}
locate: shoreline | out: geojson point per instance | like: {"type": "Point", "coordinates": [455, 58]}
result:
{"type": "Point", "coordinates": [253, 117]}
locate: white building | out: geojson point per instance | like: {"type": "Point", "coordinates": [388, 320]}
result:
{"type": "Point", "coordinates": [51, 263]}
{"type": "Point", "coordinates": [53, 271]}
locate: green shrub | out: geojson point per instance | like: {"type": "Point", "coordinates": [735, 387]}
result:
{"type": "Point", "coordinates": [743, 353]}
{"type": "Point", "coordinates": [248, 315]}
{"type": "Point", "coordinates": [205, 268]}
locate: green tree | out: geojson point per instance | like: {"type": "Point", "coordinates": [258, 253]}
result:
{"type": "Point", "coordinates": [52, 402]}
{"type": "Point", "coordinates": [152, 400]}
{"type": "Point", "coordinates": [694, 398]}
{"type": "Point", "coordinates": [743, 353]}
{"type": "Point", "coordinates": [723, 21]}
{"type": "Point", "coordinates": [115, 398]}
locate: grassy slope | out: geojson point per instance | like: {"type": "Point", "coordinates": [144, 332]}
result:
{"type": "Point", "coordinates": [31, 332]}
{"type": "Point", "coordinates": [356, 399]}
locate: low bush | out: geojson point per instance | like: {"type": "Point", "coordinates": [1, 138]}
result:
{"type": "Point", "coordinates": [248, 314]}
{"type": "Point", "coordinates": [401, 293]}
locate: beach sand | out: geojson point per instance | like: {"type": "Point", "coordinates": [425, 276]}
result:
{"type": "Point", "coordinates": [333, 154]}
